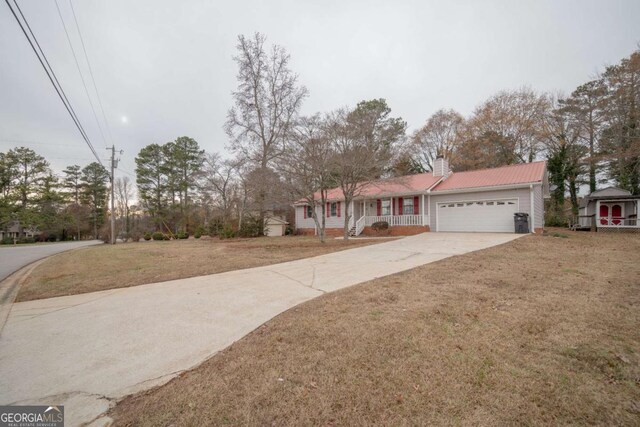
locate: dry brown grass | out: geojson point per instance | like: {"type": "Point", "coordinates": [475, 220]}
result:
{"type": "Point", "coordinates": [98, 268]}
{"type": "Point", "coordinates": [540, 331]}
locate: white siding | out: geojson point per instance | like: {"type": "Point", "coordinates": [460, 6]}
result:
{"type": "Point", "coordinates": [538, 202]}
{"type": "Point", "coordinates": [331, 222]}
{"type": "Point", "coordinates": [522, 195]}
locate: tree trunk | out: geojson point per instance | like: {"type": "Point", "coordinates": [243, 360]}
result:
{"type": "Point", "coordinates": [592, 165]}
{"type": "Point", "coordinates": [347, 216]}
{"type": "Point", "coordinates": [573, 192]}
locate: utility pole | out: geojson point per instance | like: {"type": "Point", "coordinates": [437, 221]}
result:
{"type": "Point", "coordinates": [114, 165]}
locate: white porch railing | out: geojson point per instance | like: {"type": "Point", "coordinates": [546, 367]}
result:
{"type": "Point", "coordinates": [617, 222]}
{"type": "Point", "coordinates": [396, 220]}
{"type": "Point", "coordinates": [360, 225]}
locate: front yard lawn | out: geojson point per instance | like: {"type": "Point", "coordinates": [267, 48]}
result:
{"type": "Point", "coordinates": [98, 268]}
{"type": "Point", "coordinates": [540, 331]}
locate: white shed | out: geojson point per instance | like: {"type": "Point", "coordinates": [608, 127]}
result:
{"type": "Point", "coordinates": [274, 227]}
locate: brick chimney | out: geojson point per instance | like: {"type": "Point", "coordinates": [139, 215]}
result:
{"type": "Point", "coordinates": [440, 166]}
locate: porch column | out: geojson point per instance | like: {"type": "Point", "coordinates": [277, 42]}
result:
{"type": "Point", "coordinates": [393, 205]}
{"type": "Point", "coordinates": [597, 213]}
{"type": "Point", "coordinates": [422, 209]}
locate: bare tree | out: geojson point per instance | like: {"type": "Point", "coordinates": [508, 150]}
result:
{"type": "Point", "coordinates": [266, 106]}
{"type": "Point", "coordinates": [219, 181]}
{"type": "Point", "coordinates": [358, 157]}
{"type": "Point", "coordinates": [621, 137]}
{"type": "Point", "coordinates": [439, 136]}
{"type": "Point", "coordinates": [124, 193]}
{"type": "Point", "coordinates": [511, 120]}
{"type": "Point", "coordinates": [306, 168]}
{"type": "Point", "coordinates": [586, 110]}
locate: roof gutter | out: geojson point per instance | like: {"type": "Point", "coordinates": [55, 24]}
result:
{"type": "Point", "coordinates": [487, 188]}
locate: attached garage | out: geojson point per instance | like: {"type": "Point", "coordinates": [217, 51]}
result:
{"type": "Point", "coordinates": [477, 215]}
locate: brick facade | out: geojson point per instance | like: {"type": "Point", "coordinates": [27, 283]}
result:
{"type": "Point", "coordinates": [329, 232]}
{"type": "Point", "coordinates": [398, 230]}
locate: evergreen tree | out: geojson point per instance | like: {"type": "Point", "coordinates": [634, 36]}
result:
{"type": "Point", "coordinates": [94, 193]}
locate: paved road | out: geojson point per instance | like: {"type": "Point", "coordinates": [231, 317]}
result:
{"type": "Point", "coordinates": [13, 258]}
{"type": "Point", "coordinates": [86, 351]}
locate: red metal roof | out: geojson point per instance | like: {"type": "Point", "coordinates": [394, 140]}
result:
{"type": "Point", "coordinates": [399, 185]}
{"type": "Point", "coordinates": [506, 175]}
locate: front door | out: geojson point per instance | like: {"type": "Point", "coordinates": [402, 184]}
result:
{"type": "Point", "coordinates": [616, 215]}
{"type": "Point", "coordinates": [604, 214]}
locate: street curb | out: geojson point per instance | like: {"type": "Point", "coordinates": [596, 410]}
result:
{"type": "Point", "coordinates": [10, 286]}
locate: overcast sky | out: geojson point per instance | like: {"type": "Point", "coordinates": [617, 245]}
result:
{"type": "Point", "coordinates": [167, 67]}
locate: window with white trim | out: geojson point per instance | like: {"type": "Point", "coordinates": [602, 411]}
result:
{"type": "Point", "coordinates": [334, 209]}
{"type": "Point", "coordinates": [309, 211]}
{"type": "Point", "coordinates": [407, 206]}
{"type": "Point", "coordinates": [385, 207]}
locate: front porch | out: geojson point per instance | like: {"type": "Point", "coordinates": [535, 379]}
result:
{"type": "Point", "coordinates": [612, 214]}
{"type": "Point", "coordinates": [400, 211]}
{"type": "Point", "coordinates": [618, 214]}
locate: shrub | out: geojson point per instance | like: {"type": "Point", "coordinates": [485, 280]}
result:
{"type": "Point", "coordinates": [250, 228]}
{"type": "Point", "coordinates": [159, 236]}
{"type": "Point", "coordinates": [182, 235]}
{"type": "Point", "coordinates": [147, 236]}
{"type": "Point", "coordinates": [7, 241]}
{"type": "Point", "coordinates": [199, 232]}
{"type": "Point", "coordinates": [136, 236]}
{"type": "Point", "coordinates": [555, 220]}
{"type": "Point", "coordinates": [380, 226]}
{"type": "Point", "coordinates": [215, 228]}
{"type": "Point", "coordinates": [227, 233]}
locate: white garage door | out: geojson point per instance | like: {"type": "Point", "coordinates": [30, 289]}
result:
{"type": "Point", "coordinates": [481, 215]}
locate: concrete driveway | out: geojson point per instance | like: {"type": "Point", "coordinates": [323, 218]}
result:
{"type": "Point", "coordinates": [87, 351]}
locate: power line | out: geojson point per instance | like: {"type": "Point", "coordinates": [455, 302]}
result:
{"type": "Point", "coordinates": [127, 172]}
{"type": "Point", "coordinates": [75, 58]}
{"type": "Point", "coordinates": [51, 75]}
{"type": "Point", "coordinates": [28, 142]}
{"type": "Point", "coordinates": [104, 116]}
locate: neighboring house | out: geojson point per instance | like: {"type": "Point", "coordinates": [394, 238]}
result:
{"type": "Point", "coordinates": [609, 209]}
{"type": "Point", "coordinates": [481, 200]}
{"type": "Point", "coordinates": [15, 231]}
{"type": "Point", "coordinates": [274, 227]}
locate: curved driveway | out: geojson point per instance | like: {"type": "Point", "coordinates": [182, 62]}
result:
{"type": "Point", "coordinates": [13, 258]}
{"type": "Point", "coordinates": [86, 351]}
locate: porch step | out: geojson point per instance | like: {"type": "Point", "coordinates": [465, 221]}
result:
{"type": "Point", "coordinates": [352, 231]}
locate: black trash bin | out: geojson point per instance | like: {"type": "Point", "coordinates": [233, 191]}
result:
{"type": "Point", "coordinates": [521, 222]}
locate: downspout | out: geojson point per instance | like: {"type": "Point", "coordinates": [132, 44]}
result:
{"type": "Point", "coordinates": [533, 210]}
